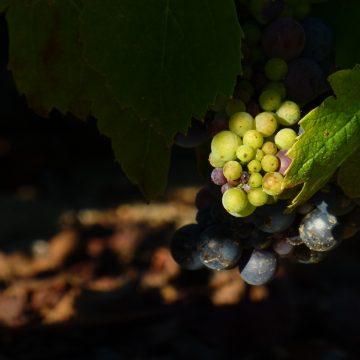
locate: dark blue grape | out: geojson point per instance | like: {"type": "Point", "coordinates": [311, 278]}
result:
{"type": "Point", "coordinates": [320, 231]}
{"type": "Point", "coordinates": [260, 267]}
{"type": "Point", "coordinates": [259, 240]}
{"type": "Point", "coordinates": [204, 198]}
{"type": "Point", "coordinates": [305, 208]}
{"type": "Point", "coordinates": [282, 247]}
{"type": "Point", "coordinates": [217, 177]}
{"type": "Point", "coordinates": [305, 81]}
{"type": "Point", "coordinates": [184, 246]}
{"type": "Point", "coordinates": [195, 136]}
{"type": "Point", "coordinates": [319, 39]}
{"type": "Point", "coordinates": [219, 214]}
{"type": "Point", "coordinates": [331, 199]}
{"type": "Point", "coordinates": [203, 217]}
{"type": "Point", "coordinates": [283, 38]}
{"type": "Point", "coordinates": [303, 255]}
{"type": "Point", "coordinates": [218, 248]}
{"type": "Point", "coordinates": [272, 219]}
{"type": "Point", "coordinates": [350, 224]}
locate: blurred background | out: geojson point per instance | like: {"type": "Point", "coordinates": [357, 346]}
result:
{"type": "Point", "coordinates": [86, 272]}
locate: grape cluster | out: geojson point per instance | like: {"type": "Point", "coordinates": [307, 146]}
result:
{"type": "Point", "coordinates": [257, 243]}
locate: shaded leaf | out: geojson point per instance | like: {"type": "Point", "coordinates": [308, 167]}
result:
{"type": "Point", "coordinates": [349, 175]}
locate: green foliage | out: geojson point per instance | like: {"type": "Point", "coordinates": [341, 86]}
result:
{"type": "Point", "coordinates": [343, 18]}
{"type": "Point", "coordinates": [165, 59]}
{"type": "Point", "coordinates": [3, 5]}
{"type": "Point", "coordinates": [349, 175]}
{"type": "Point", "coordinates": [148, 68]}
{"type": "Point", "coordinates": [332, 133]}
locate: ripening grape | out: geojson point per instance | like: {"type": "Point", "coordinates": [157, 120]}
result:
{"type": "Point", "coordinates": [215, 161]}
{"type": "Point", "coordinates": [269, 148]}
{"type": "Point", "coordinates": [259, 154]}
{"type": "Point", "coordinates": [266, 123]}
{"type": "Point", "coordinates": [276, 69]}
{"type": "Point", "coordinates": [270, 163]}
{"type": "Point", "coordinates": [272, 183]}
{"type": "Point", "coordinates": [253, 138]}
{"type": "Point", "coordinates": [217, 176]}
{"type": "Point", "coordinates": [233, 106]}
{"type": "Point", "coordinates": [270, 100]}
{"type": "Point", "coordinates": [232, 170]}
{"type": "Point", "coordinates": [241, 122]}
{"type": "Point", "coordinates": [278, 86]}
{"type": "Point", "coordinates": [285, 138]}
{"type": "Point", "coordinates": [224, 145]}
{"type": "Point", "coordinates": [234, 200]}
{"type": "Point", "coordinates": [255, 180]}
{"type": "Point", "coordinates": [257, 196]}
{"type": "Point", "coordinates": [285, 161]}
{"type": "Point", "coordinates": [254, 166]}
{"type": "Point", "coordinates": [282, 247]}
{"type": "Point", "coordinates": [245, 153]}
{"type": "Point", "coordinates": [226, 187]}
{"type": "Point", "coordinates": [288, 113]}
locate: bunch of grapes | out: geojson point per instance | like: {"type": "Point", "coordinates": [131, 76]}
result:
{"type": "Point", "coordinates": [287, 57]}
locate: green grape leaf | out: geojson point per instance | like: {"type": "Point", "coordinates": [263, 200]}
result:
{"type": "Point", "coordinates": [46, 62]}
{"type": "Point", "coordinates": [4, 4]}
{"type": "Point", "coordinates": [349, 175]}
{"type": "Point", "coordinates": [332, 133]}
{"type": "Point", "coordinates": [343, 18]}
{"type": "Point", "coordinates": [166, 59]}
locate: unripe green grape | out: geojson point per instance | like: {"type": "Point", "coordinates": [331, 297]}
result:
{"type": "Point", "coordinates": [270, 163]}
{"type": "Point", "coordinates": [255, 180]}
{"type": "Point", "coordinates": [257, 196]}
{"type": "Point", "coordinates": [259, 154]}
{"type": "Point", "coordinates": [249, 209]}
{"type": "Point", "coordinates": [241, 122]}
{"type": "Point", "coordinates": [219, 103]}
{"type": "Point", "coordinates": [253, 138]}
{"type": "Point", "coordinates": [278, 86]}
{"type": "Point", "coordinates": [215, 161]}
{"type": "Point", "coordinates": [270, 100]}
{"type": "Point", "coordinates": [245, 153]}
{"type": "Point", "coordinates": [276, 69]}
{"type": "Point", "coordinates": [233, 106]}
{"type": "Point", "coordinates": [266, 123]}
{"type": "Point", "coordinates": [252, 32]}
{"type": "Point", "coordinates": [288, 113]}
{"type": "Point", "coordinates": [234, 200]}
{"type": "Point", "coordinates": [254, 166]}
{"type": "Point", "coordinates": [285, 138]}
{"type": "Point", "coordinates": [272, 183]}
{"type": "Point", "coordinates": [269, 148]}
{"type": "Point", "coordinates": [232, 170]}
{"type": "Point", "coordinates": [224, 145]}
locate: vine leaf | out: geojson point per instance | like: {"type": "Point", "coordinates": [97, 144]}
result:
{"type": "Point", "coordinates": [332, 133]}
{"type": "Point", "coordinates": [4, 5]}
{"type": "Point", "coordinates": [166, 59]}
{"type": "Point", "coordinates": [349, 175]}
{"type": "Point", "coordinates": [46, 62]}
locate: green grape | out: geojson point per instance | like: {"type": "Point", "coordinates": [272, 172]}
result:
{"type": "Point", "coordinates": [234, 200]}
{"type": "Point", "coordinates": [272, 183]}
{"type": "Point", "coordinates": [219, 103]}
{"type": "Point", "coordinates": [269, 148]}
{"type": "Point", "coordinates": [259, 154]}
{"type": "Point", "coordinates": [276, 69]}
{"type": "Point", "coordinates": [255, 180]}
{"type": "Point", "coordinates": [253, 138]}
{"type": "Point", "coordinates": [270, 100]}
{"type": "Point", "coordinates": [233, 106]}
{"type": "Point", "coordinates": [249, 209]}
{"type": "Point", "coordinates": [254, 166]}
{"type": "Point", "coordinates": [215, 161]}
{"type": "Point", "coordinates": [270, 163]}
{"type": "Point", "coordinates": [224, 145]}
{"type": "Point", "coordinates": [288, 113]}
{"type": "Point", "coordinates": [285, 138]}
{"type": "Point", "coordinates": [245, 153]}
{"type": "Point", "coordinates": [257, 197]}
{"type": "Point", "coordinates": [232, 170]}
{"type": "Point", "coordinates": [278, 86]}
{"type": "Point", "coordinates": [252, 32]}
{"type": "Point", "coordinates": [266, 123]}
{"type": "Point", "coordinates": [241, 122]}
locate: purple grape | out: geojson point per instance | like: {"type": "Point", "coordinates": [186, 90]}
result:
{"type": "Point", "coordinates": [285, 161]}
{"type": "Point", "coordinates": [305, 81]}
{"type": "Point", "coordinates": [284, 38]}
{"type": "Point", "coordinates": [226, 187]}
{"type": "Point", "coordinates": [217, 177]}
{"type": "Point", "coordinates": [319, 39]}
{"type": "Point", "coordinates": [195, 136]}
{"type": "Point", "coordinates": [303, 255]}
{"type": "Point", "coordinates": [282, 247]}
{"type": "Point", "coordinates": [260, 267]}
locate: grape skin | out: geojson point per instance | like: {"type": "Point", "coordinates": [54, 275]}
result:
{"type": "Point", "coordinates": [285, 138]}
{"type": "Point", "coordinates": [217, 176]}
{"type": "Point", "coordinates": [253, 138]}
{"type": "Point", "coordinates": [245, 153]}
{"type": "Point", "coordinates": [240, 123]}
{"type": "Point", "coordinates": [266, 123]}
{"type": "Point", "coordinates": [234, 106]}
{"type": "Point", "coordinates": [257, 197]}
{"type": "Point", "coordinates": [270, 100]}
{"type": "Point", "coordinates": [276, 69]}
{"type": "Point", "coordinates": [272, 183]}
{"type": "Point", "coordinates": [234, 200]}
{"type": "Point", "coordinates": [224, 145]}
{"type": "Point", "coordinates": [288, 113]}
{"type": "Point", "coordinates": [285, 161]}
{"type": "Point", "coordinates": [269, 148]}
{"type": "Point", "coordinates": [270, 163]}
{"type": "Point", "coordinates": [255, 180]}
{"type": "Point", "coordinates": [254, 166]}
{"type": "Point", "coordinates": [232, 170]}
